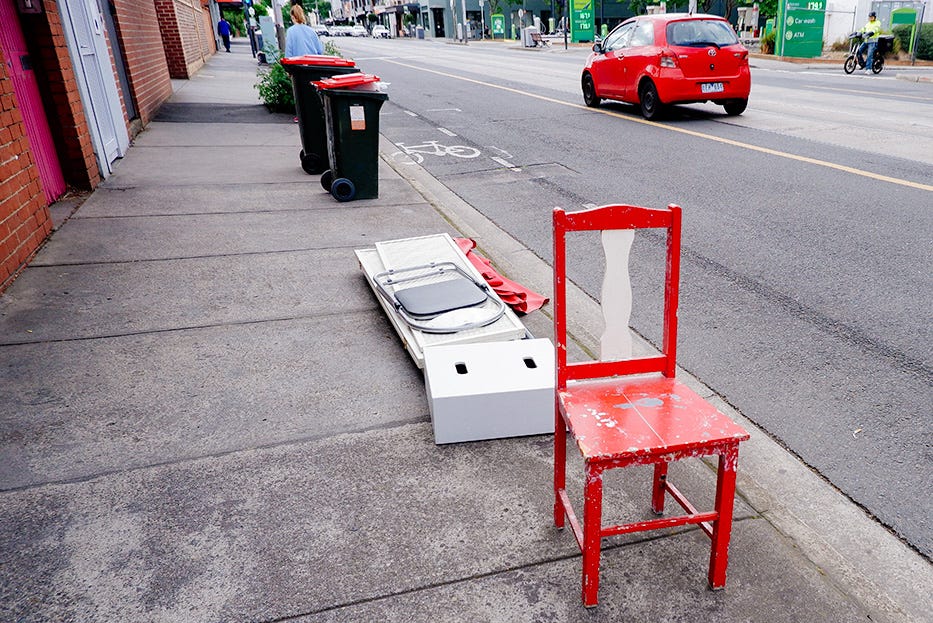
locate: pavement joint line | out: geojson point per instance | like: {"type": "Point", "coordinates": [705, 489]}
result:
{"type": "Point", "coordinates": [394, 424]}
{"type": "Point", "coordinates": [195, 257]}
{"type": "Point", "coordinates": [234, 212]}
{"type": "Point", "coordinates": [575, 553]}
{"type": "Point", "coordinates": [113, 336]}
{"type": "Point", "coordinates": [710, 137]}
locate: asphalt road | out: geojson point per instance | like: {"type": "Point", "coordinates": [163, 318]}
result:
{"type": "Point", "coordinates": [806, 281]}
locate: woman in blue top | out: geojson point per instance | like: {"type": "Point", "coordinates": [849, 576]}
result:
{"type": "Point", "coordinates": [300, 39]}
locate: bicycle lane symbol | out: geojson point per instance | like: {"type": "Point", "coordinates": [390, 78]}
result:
{"type": "Point", "coordinates": [414, 154]}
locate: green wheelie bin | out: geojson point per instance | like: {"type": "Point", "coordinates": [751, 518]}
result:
{"type": "Point", "coordinates": [351, 114]}
{"type": "Point", "coordinates": [310, 111]}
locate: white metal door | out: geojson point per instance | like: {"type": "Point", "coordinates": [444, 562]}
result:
{"type": "Point", "coordinates": [96, 80]}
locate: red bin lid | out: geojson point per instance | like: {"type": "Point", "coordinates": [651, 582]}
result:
{"type": "Point", "coordinates": [346, 81]}
{"type": "Point", "coordinates": [319, 59]}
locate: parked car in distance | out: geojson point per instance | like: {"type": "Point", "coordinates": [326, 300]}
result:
{"type": "Point", "coordinates": [381, 32]}
{"type": "Point", "coordinates": [340, 31]}
{"type": "Point", "coordinates": [321, 30]}
{"type": "Point", "coordinates": [669, 58]}
{"type": "Point", "coordinates": [359, 31]}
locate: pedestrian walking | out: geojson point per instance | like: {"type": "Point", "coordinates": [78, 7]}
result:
{"type": "Point", "coordinates": [300, 39]}
{"type": "Point", "coordinates": [223, 29]}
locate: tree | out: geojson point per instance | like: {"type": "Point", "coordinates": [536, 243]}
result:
{"type": "Point", "coordinates": [728, 6]}
{"type": "Point", "coordinates": [766, 8]}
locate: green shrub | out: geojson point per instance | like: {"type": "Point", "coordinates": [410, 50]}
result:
{"type": "Point", "coordinates": [924, 40]}
{"type": "Point", "coordinates": [767, 42]}
{"type": "Point", "coordinates": [275, 85]}
{"type": "Point", "coordinates": [840, 45]}
{"type": "Point", "coordinates": [275, 88]}
{"type": "Point", "coordinates": [330, 48]}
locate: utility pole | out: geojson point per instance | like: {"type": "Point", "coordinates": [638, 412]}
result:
{"type": "Point", "coordinates": [466, 32]}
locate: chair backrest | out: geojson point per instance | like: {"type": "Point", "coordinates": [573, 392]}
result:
{"type": "Point", "coordinates": [613, 218]}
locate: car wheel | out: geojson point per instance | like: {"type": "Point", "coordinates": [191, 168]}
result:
{"type": "Point", "coordinates": [651, 106]}
{"type": "Point", "coordinates": [850, 65]}
{"type": "Point", "coordinates": [735, 107]}
{"type": "Point", "coordinates": [589, 92]}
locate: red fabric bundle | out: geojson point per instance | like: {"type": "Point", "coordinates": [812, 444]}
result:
{"type": "Point", "coordinates": [515, 295]}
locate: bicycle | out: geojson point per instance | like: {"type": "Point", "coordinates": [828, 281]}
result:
{"type": "Point", "coordinates": [433, 148]}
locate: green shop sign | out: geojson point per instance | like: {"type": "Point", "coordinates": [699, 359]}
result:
{"type": "Point", "coordinates": [582, 20]}
{"type": "Point", "coordinates": [498, 24]}
{"type": "Point", "coordinates": [800, 28]}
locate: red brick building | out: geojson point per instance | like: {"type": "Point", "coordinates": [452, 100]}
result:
{"type": "Point", "coordinates": [57, 132]}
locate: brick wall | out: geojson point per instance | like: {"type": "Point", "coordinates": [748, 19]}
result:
{"type": "Point", "coordinates": [208, 41]}
{"type": "Point", "coordinates": [59, 89]}
{"type": "Point", "coordinates": [145, 56]}
{"type": "Point", "coordinates": [24, 217]}
{"type": "Point", "coordinates": [183, 36]}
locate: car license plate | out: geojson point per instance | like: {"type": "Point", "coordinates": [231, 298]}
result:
{"type": "Point", "coordinates": [711, 87]}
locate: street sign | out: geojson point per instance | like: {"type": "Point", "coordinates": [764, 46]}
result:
{"type": "Point", "coordinates": [498, 24]}
{"type": "Point", "coordinates": [582, 20]}
{"type": "Point", "coordinates": [800, 28]}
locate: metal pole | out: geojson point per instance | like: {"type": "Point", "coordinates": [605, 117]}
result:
{"type": "Point", "coordinates": [919, 27]}
{"type": "Point", "coordinates": [565, 24]}
{"type": "Point", "coordinates": [466, 33]}
{"type": "Point", "coordinates": [482, 16]}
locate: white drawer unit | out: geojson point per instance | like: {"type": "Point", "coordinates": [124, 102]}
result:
{"type": "Point", "coordinates": [490, 390]}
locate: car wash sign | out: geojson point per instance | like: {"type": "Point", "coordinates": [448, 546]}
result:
{"type": "Point", "coordinates": [800, 28]}
{"type": "Point", "coordinates": [582, 20]}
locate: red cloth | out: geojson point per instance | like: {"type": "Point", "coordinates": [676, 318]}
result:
{"type": "Point", "coordinates": [515, 295]}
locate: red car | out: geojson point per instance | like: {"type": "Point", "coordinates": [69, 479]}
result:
{"type": "Point", "coordinates": [661, 59]}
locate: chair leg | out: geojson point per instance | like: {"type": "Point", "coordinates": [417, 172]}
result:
{"type": "Point", "coordinates": [560, 466]}
{"type": "Point", "coordinates": [722, 527]}
{"type": "Point", "coordinates": [657, 488]}
{"type": "Point", "coordinates": [592, 533]}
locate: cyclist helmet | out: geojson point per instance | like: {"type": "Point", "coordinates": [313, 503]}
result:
{"type": "Point", "coordinates": [872, 14]}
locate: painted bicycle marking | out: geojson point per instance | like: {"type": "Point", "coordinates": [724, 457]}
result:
{"type": "Point", "coordinates": [414, 154]}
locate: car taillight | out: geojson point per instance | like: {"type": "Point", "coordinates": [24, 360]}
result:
{"type": "Point", "coordinates": [667, 60]}
{"type": "Point", "coordinates": [742, 56]}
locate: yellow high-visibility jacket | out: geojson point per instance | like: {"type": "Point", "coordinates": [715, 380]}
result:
{"type": "Point", "coordinates": [872, 29]}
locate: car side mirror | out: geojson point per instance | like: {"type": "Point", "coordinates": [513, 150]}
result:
{"type": "Point", "coordinates": [598, 47]}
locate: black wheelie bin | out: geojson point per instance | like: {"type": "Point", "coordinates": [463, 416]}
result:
{"type": "Point", "coordinates": [351, 113]}
{"type": "Point", "coordinates": [310, 111]}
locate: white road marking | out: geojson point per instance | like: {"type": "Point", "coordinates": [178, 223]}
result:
{"type": "Point", "coordinates": [410, 113]}
{"type": "Point", "coordinates": [505, 163]}
{"type": "Point", "coordinates": [443, 110]}
{"type": "Point", "coordinates": [446, 131]}
{"type": "Point", "coordinates": [501, 151]}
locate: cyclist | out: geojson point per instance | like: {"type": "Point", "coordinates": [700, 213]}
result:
{"type": "Point", "coordinates": [871, 30]}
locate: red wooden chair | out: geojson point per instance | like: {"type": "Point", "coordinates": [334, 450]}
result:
{"type": "Point", "coordinates": [632, 411]}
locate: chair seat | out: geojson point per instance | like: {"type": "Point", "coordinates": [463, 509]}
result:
{"type": "Point", "coordinates": [643, 417]}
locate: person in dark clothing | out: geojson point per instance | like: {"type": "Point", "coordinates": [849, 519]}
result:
{"type": "Point", "coordinates": [223, 29]}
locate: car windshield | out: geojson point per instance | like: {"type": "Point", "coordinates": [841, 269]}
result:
{"type": "Point", "coordinates": [700, 33]}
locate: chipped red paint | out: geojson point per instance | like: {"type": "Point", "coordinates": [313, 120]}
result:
{"type": "Point", "coordinates": [628, 420]}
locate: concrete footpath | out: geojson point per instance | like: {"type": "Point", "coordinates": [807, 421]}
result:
{"type": "Point", "coordinates": [206, 416]}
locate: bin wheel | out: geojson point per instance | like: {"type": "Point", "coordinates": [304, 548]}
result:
{"type": "Point", "coordinates": [327, 179]}
{"type": "Point", "coordinates": [311, 163]}
{"type": "Point", "coordinates": [343, 189]}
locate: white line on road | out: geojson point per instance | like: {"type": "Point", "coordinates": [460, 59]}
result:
{"type": "Point", "coordinates": [410, 113]}
{"type": "Point", "coordinates": [505, 163]}
{"type": "Point", "coordinates": [446, 131]}
{"type": "Point", "coordinates": [443, 110]}
{"type": "Point", "coordinates": [501, 151]}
